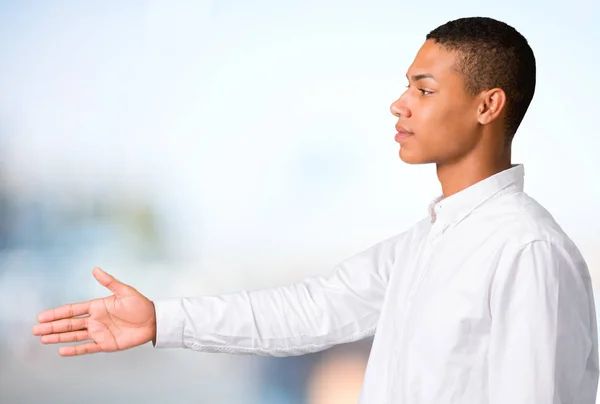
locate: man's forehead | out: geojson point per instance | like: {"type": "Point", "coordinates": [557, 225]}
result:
{"type": "Point", "coordinates": [432, 60]}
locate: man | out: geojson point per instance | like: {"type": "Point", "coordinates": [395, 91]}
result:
{"type": "Point", "coordinates": [484, 301]}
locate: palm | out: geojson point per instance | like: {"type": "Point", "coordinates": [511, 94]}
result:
{"type": "Point", "coordinates": [114, 323]}
{"type": "Point", "coordinates": [117, 324]}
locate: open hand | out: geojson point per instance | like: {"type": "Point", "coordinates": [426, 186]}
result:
{"type": "Point", "coordinates": [124, 320]}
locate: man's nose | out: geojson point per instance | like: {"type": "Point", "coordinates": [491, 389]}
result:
{"type": "Point", "coordinates": [399, 109]}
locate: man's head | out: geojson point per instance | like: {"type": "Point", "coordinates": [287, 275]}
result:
{"type": "Point", "coordinates": [469, 88]}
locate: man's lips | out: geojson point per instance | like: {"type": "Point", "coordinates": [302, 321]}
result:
{"type": "Point", "coordinates": [402, 133]}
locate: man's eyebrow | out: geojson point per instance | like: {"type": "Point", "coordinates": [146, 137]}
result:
{"type": "Point", "coordinates": [421, 76]}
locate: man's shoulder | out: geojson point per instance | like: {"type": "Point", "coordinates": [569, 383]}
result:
{"type": "Point", "coordinates": [524, 219]}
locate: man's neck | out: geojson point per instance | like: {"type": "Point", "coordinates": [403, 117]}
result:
{"type": "Point", "coordinates": [454, 177]}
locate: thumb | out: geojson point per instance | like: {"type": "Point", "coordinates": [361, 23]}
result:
{"type": "Point", "coordinates": [109, 282]}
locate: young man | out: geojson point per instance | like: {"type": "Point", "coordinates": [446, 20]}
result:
{"type": "Point", "coordinates": [484, 301]}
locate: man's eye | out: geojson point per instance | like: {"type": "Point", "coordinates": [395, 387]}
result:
{"type": "Point", "coordinates": [422, 90]}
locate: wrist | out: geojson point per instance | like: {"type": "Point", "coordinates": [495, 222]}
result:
{"type": "Point", "coordinates": [153, 324]}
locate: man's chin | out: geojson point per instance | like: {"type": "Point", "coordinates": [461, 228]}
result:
{"type": "Point", "coordinates": [411, 158]}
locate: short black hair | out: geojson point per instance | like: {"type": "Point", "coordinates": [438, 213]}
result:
{"type": "Point", "coordinates": [492, 55]}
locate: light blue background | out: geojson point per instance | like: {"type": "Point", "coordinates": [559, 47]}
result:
{"type": "Point", "coordinates": [204, 147]}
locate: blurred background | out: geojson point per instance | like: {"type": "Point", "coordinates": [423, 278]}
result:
{"type": "Point", "coordinates": [206, 147]}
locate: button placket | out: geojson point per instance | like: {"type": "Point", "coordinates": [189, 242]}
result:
{"type": "Point", "coordinates": [433, 238]}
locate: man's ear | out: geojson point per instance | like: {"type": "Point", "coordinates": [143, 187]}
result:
{"type": "Point", "coordinates": [492, 103]}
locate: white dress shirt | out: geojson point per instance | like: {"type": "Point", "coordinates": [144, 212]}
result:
{"type": "Point", "coordinates": [485, 301]}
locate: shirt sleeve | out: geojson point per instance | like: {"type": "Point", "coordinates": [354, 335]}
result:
{"type": "Point", "coordinates": [305, 317]}
{"type": "Point", "coordinates": [543, 345]}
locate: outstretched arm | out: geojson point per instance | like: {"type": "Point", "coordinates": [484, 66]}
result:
{"type": "Point", "coordinates": [290, 320]}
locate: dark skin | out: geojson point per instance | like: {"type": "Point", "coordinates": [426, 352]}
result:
{"type": "Point", "coordinates": [463, 134]}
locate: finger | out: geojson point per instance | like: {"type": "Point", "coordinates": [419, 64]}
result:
{"type": "Point", "coordinates": [109, 281]}
{"type": "Point", "coordinates": [66, 311]}
{"type": "Point", "coordinates": [75, 336]}
{"type": "Point", "coordinates": [81, 349]}
{"type": "Point", "coordinates": [55, 327]}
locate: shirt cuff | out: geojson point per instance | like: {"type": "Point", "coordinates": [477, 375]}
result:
{"type": "Point", "coordinates": [170, 322]}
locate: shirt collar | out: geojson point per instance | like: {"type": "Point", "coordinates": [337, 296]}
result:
{"type": "Point", "coordinates": [456, 207]}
